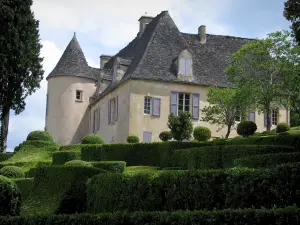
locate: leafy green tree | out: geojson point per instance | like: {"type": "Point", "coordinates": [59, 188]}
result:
{"type": "Point", "coordinates": [20, 62]}
{"type": "Point", "coordinates": [181, 126]}
{"type": "Point", "coordinates": [292, 14]}
{"type": "Point", "coordinates": [266, 69]}
{"type": "Point", "coordinates": [226, 105]}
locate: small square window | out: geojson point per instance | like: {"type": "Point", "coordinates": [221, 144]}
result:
{"type": "Point", "coordinates": [78, 95]}
{"type": "Point", "coordinates": [147, 105]}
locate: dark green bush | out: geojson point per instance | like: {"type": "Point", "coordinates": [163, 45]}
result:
{"type": "Point", "coordinates": [112, 166]}
{"type": "Point", "coordinates": [39, 136]}
{"type": "Point", "coordinates": [92, 139]}
{"type": "Point", "coordinates": [25, 186]}
{"type": "Point", "coordinates": [5, 156]}
{"type": "Point", "coordinates": [133, 139]}
{"type": "Point", "coordinates": [202, 133]}
{"type": "Point", "coordinates": [10, 198]}
{"type": "Point", "coordinates": [12, 172]}
{"type": "Point", "coordinates": [282, 127]}
{"type": "Point", "coordinates": [73, 148]}
{"type": "Point", "coordinates": [267, 160]}
{"type": "Point", "coordinates": [165, 136]}
{"type": "Point", "coordinates": [77, 163]}
{"type": "Point", "coordinates": [218, 157]}
{"type": "Point", "coordinates": [60, 158]}
{"type": "Point", "coordinates": [195, 190]}
{"type": "Point", "coordinates": [246, 128]}
{"type": "Point", "coordinates": [181, 126]}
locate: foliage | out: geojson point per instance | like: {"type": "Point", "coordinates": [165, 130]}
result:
{"type": "Point", "coordinates": [181, 126]}
{"type": "Point", "coordinates": [112, 166]}
{"type": "Point", "coordinates": [5, 156]}
{"type": "Point", "coordinates": [225, 106]}
{"type": "Point", "coordinates": [77, 163]}
{"type": "Point", "coordinates": [60, 158]}
{"type": "Point", "coordinates": [291, 13]}
{"type": "Point", "coordinates": [165, 136]}
{"type": "Point", "coordinates": [39, 136]}
{"type": "Point", "coordinates": [267, 160]}
{"type": "Point", "coordinates": [133, 139]}
{"type": "Point", "coordinates": [246, 128]}
{"type": "Point", "coordinates": [267, 71]}
{"type": "Point", "coordinates": [10, 197]}
{"type": "Point", "coordinates": [25, 185]}
{"type": "Point", "coordinates": [75, 147]}
{"type": "Point", "coordinates": [282, 127]}
{"type": "Point", "coordinates": [222, 156]}
{"type": "Point", "coordinates": [202, 133]}
{"type": "Point", "coordinates": [12, 172]}
{"type": "Point", "coordinates": [46, 145]}
{"type": "Point", "coordinates": [92, 139]}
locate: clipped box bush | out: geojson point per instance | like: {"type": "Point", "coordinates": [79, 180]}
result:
{"type": "Point", "coordinates": [112, 166]}
{"type": "Point", "coordinates": [60, 158]}
{"type": "Point", "coordinates": [47, 145]}
{"type": "Point", "coordinates": [218, 157]}
{"type": "Point", "coordinates": [133, 139]}
{"type": "Point", "coordinates": [195, 190]}
{"type": "Point", "coordinates": [39, 136]}
{"type": "Point", "coordinates": [267, 160]}
{"type": "Point", "coordinates": [77, 163]}
{"type": "Point", "coordinates": [246, 128]}
{"type": "Point", "coordinates": [12, 172]}
{"type": "Point", "coordinates": [74, 148]}
{"type": "Point", "coordinates": [165, 136]}
{"type": "Point", "coordinates": [5, 156]}
{"type": "Point", "coordinates": [25, 186]}
{"type": "Point", "coordinates": [282, 127]}
{"type": "Point", "coordinates": [202, 133]}
{"type": "Point", "coordinates": [10, 198]}
{"type": "Point", "coordinates": [92, 139]}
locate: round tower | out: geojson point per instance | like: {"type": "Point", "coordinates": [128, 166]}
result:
{"type": "Point", "coordinates": [70, 85]}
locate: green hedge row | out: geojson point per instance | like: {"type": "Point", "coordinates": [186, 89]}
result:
{"type": "Point", "coordinates": [267, 160]}
{"type": "Point", "coordinates": [194, 190]}
{"type": "Point", "coordinates": [284, 216]}
{"type": "Point", "coordinates": [147, 154]}
{"type": "Point", "coordinates": [47, 145]}
{"type": "Point", "coordinates": [74, 147]}
{"type": "Point", "coordinates": [60, 158]}
{"type": "Point", "coordinates": [25, 186]}
{"type": "Point", "coordinates": [112, 166]}
{"type": "Point", "coordinates": [218, 157]}
{"type": "Point", "coordinates": [5, 156]}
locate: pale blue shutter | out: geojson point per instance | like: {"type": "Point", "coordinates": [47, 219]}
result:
{"type": "Point", "coordinates": [156, 106]}
{"type": "Point", "coordinates": [99, 118]}
{"type": "Point", "coordinates": [147, 136]}
{"type": "Point", "coordinates": [116, 109]}
{"type": "Point", "coordinates": [188, 67]}
{"type": "Point", "coordinates": [195, 106]}
{"type": "Point", "coordinates": [109, 116]}
{"type": "Point", "coordinates": [182, 66]}
{"type": "Point", "coordinates": [174, 105]}
{"type": "Point", "coordinates": [251, 116]}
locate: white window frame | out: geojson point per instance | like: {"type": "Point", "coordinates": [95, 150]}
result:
{"type": "Point", "coordinates": [147, 105]}
{"type": "Point", "coordinates": [184, 98]}
{"type": "Point", "coordinates": [80, 92]}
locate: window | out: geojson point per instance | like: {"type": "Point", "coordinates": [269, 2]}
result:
{"type": "Point", "coordinates": [78, 95]}
{"type": "Point", "coordinates": [147, 105]}
{"type": "Point", "coordinates": [96, 120]}
{"type": "Point", "coordinates": [183, 102]}
{"type": "Point", "coordinates": [274, 117]}
{"type": "Point", "coordinates": [185, 66]}
{"type": "Point", "coordinates": [112, 110]}
{"type": "Point", "coordinates": [147, 136]}
{"type": "Point", "coordinates": [238, 115]}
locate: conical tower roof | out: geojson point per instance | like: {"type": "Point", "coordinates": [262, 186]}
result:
{"type": "Point", "coordinates": [72, 62]}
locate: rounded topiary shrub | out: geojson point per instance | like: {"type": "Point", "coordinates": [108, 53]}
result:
{"type": "Point", "coordinates": [77, 163]}
{"type": "Point", "coordinates": [92, 139]}
{"type": "Point", "coordinates": [165, 136]}
{"type": "Point", "coordinates": [246, 128]}
{"type": "Point", "coordinates": [282, 127]}
{"type": "Point", "coordinates": [12, 172]}
{"type": "Point", "coordinates": [10, 197]}
{"type": "Point", "coordinates": [133, 139]}
{"type": "Point", "coordinates": [38, 135]}
{"type": "Point", "coordinates": [202, 133]}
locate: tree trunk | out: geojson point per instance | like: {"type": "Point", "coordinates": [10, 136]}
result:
{"type": "Point", "coordinates": [4, 128]}
{"type": "Point", "coordinates": [228, 131]}
{"type": "Point", "coordinates": [268, 119]}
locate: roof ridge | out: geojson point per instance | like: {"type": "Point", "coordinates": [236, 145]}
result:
{"type": "Point", "coordinates": [219, 35]}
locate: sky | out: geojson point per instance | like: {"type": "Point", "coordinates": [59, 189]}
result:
{"type": "Point", "coordinates": [106, 26]}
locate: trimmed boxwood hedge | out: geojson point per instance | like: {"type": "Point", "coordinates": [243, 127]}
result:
{"type": "Point", "coordinates": [47, 145]}
{"type": "Point", "coordinates": [25, 186]}
{"type": "Point", "coordinates": [218, 157]}
{"type": "Point", "coordinates": [60, 158]}
{"type": "Point", "coordinates": [12, 172]}
{"type": "Point", "coordinates": [267, 160]}
{"type": "Point", "coordinates": [281, 216]}
{"type": "Point", "coordinates": [75, 147]}
{"type": "Point", "coordinates": [5, 156]}
{"type": "Point", "coordinates": [146, 154]}
{"type": "Point", "coordinates": [195, 190]}
{"type": "Point", "coordinates": [38, 135]}
{"type": "Point", "coordinates": [77, 163]}
{"type": "Point", "coordinates": [112, 166]}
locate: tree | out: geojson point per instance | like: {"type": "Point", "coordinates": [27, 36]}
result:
{"type": "Point", "coordinates": [181, 126]}
{"type": "Point", "coordinates": [292, 14]}
{"type": "Point", "coordinates": [265, 69]}
{"type": "Point", "coordinates": [225, 106]}
{"type": "Point", "coordinates": [20, 62]}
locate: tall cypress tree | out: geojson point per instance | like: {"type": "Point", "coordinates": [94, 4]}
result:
{"type": "Point", "coordinates": [20, 62]}
{"type": "Point", "coordinates": [292, 13]}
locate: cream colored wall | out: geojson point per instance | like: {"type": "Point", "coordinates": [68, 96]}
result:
{"type": "Point", "coordinates": [67, 119]}
{"type": "Point", "coordinates": [118, 131]}
{"type": "Point", "coordinates": [140, 122]}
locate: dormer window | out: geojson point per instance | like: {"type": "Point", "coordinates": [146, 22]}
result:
{"type": "Point", "coordinates": [78, 95]}
{"type": "Point", "coordinates": [185, 65]}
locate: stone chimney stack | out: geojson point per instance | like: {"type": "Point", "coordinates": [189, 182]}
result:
{"type": "Point", "coordinates": [202, 34]}
{"type": "Point", "coordinates": [104, 59]}
{"type": "Point", "coordinates": [144, 21]}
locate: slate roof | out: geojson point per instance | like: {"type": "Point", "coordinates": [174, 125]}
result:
{"type": "Point", "coordinates": [153, 54]}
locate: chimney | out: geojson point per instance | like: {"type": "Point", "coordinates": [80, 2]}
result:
{"type": "Point", "coordinates": [202, 34]}
{"type": "Point", "coordinates": [144, 21]}
{"type": "Point", "coordinates": [104, 59]}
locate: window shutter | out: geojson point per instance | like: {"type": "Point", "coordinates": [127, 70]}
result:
{"type": "Point", "coordinates": [188, 67]}
{"type": "Point", "coordinates": [195, 106]}
{"type": "Point", "coordinates": [109, 117]}
{"type": "Point", "coordinates": [116, 109]}
{"type": "Point", "coordinates": [251, 116]}
{"type": "Point", "coordinates": [182, 66]}
{"type": "Point", "coordinates": [156, 106]}
{"type": "Point", "coordinates": [174, 105]}
{"type": "Point", "coordinates": [147, 136]}
{"type": "Point", "coordinates": [98, 118]}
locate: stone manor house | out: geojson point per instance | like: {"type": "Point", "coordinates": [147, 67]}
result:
{"type": "Point", "coordinates": [161, 71]}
